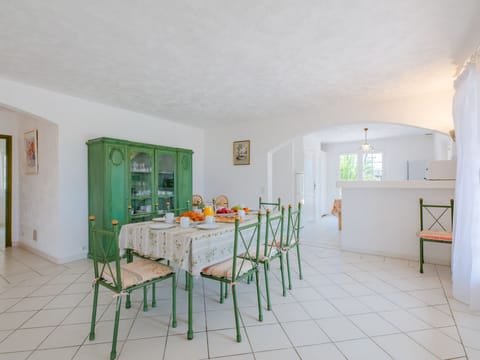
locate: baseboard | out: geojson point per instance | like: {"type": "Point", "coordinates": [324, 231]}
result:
{"type": "Point", "coordinates": [53, 259]}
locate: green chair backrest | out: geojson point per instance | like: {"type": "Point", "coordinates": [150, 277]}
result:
{"type": "Point", "coordinates": [274, 231]}
{"type": "Point", "coordinates": [274, 206]}
{"type": "Point", "coordinates": [293, 225]}
{"type": "Point", "coordinates": [436, 214]}
{"type": "Point", "coordinates": [104, 244]}
{"type": "Point", "coordinates": [247, 236]}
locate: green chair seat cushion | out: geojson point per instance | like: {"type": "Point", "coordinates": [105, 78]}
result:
{"type": "Point", "coordinates": [137, 272]}
{"type": "Point", "coordinates": [224, 269]}
{"type": "Point", "coordinates": [435, 235]}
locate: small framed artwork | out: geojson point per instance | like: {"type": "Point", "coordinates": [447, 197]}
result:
{"type": "Point", "coordinates": [241, 152]}
{"type": "Point", "coordinates": [31, 152]}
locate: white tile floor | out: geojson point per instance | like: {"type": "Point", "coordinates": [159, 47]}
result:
{"type": "Point", "coordinates": [349, 306]}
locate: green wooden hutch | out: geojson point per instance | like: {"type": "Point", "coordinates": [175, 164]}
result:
{"type": "Point", "coordinates": [129, 181]}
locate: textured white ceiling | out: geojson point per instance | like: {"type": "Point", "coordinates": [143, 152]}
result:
{"type": "Point", "coordinates": [217, 61]}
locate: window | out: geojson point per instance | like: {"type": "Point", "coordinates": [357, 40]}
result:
{"type": "Point", "coordinates": [348, 167]}
{"type": "Point", "coordinates": [372, 168]}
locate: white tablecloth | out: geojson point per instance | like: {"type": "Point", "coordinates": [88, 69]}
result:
{"type": "Point", "coordinates": [189, 249]}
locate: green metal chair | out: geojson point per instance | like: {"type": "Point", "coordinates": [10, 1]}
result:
{"type": "Point", "coordinates": [272, 249]}
{"type": "Point", "coordinates": [122, 279]}
{"type": "Point", "coordinates": [274, 206]}
{"type": "Point", "coordinates": [292, 240]}
{"type": "Point", "coordinates": [230, 272]}
{"type": "Point", "coordinates": [134, 218]}
{"type": "Point", "coordinates": [148, 216]}
{"type": "Point", "coordinates": [437, 231]}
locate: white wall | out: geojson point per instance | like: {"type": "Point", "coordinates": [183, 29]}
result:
{"type": "Point", "coordinates": [79, 120]}
{"type": "Point", "coordinates": [442, 147]}
{"type": "Point", "coordinates": [283, 181]}
{"type": "Point", "coordinates": [396, 151]}
{"type": "Point", "coordinates": [38, 194]}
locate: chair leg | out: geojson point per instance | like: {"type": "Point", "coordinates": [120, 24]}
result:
{"type": "Point", "coordinates": [288, 270]}
{"type": "Point", "coordinates": [299, 262]}
{"type": "Point", "coordinates": [128, 302]}
{"type": "Point", "coordinates": [421, 256]}
{"type": "Point", "coordinates": [221, 292]}
{"type": "Point", "coordinates": [190, 307]}
{"type": "Point", "coordinates": [235, 311]}
{"type": "Point", "coordinates": [186, 281]}
{"type": "Point", "coordinates": [154, 296]}
{"type": "Point", "coordinates": [113, 354]}
{"type": "Point", "coordinates": [174, 300]}
{"type": "Point", "coordinates": [94, 313]}
{"type": "Point", "coordinates": [267, 289]}
{"type": "Point", "coordinates": [225, 295]}
{"type": "Point", "coordinates": [259, 295]}
{"type": "Point", "coordinates": [145, 299]}
{"type": "Point", "coordinates": [282, 272]}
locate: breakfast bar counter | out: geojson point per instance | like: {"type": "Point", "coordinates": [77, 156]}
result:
{"type": "Point", "coordinates": [382, 217]}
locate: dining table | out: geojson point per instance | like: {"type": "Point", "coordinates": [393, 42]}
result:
{"type": "Point", "coordinates": [191, 248]}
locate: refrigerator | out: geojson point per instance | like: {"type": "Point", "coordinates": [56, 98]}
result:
{"type": "Point", "coordinates": [416, 169]}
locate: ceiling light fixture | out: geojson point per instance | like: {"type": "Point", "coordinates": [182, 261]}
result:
{"type": "Point", "coordinates": [366, 147]}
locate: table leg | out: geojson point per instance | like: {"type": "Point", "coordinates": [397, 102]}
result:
{"type": "Point", "coordinates": [190, 307]}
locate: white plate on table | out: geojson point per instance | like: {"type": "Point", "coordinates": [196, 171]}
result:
{"type": "Point", "coordinates": [159, 219]}
{"type": "Point", "coordinates": [208, 226]}
{"type": "Point", "coordinates": [161, 226]}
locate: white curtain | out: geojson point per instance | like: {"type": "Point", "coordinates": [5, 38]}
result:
{"type": "Point", "coordinates": [466, 244]}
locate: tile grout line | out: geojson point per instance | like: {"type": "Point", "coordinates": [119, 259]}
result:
{"type": "Point", "coordinates": [452, 313]}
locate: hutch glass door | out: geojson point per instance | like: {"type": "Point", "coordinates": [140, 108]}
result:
{"type": "Point", "coordinates": [141, 183]}
{"type": "Point", "coordinates": [166, 161]}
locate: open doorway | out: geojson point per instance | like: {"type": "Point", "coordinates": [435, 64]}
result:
{"type": "Point", "coordinates": [5, 191]}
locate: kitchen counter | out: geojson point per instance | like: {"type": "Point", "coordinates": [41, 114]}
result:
{"type": "Point", "coordinates": [406, 184]}
{"type": "Point", "coordinates": [382, 217]}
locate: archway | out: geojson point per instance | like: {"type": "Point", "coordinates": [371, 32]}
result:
{"type": "Point", "coordinates": [315, 157]}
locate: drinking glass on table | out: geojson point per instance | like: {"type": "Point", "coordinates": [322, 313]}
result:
{"type": "Point", "coordinates": [169, 217]}
{"type": "Point", "coordinates": [209, 219]}
{"type": "Point", "coordinates": [184, 221]}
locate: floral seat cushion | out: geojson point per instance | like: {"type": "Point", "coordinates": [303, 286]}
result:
{"type": "Point", "coordinates": [137, 272]}
{"type": "Point", "coordinates": [225, 268]}
{"type": "Point", "coordinates": [435, 235]}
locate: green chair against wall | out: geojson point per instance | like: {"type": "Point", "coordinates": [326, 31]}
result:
{"type": "Point", "coordinates": [292, 240]}
{"type": "Point", "coordinates": [274, 206]}
{"type": "Point", "coordinates": [437, 231]}
{"type": "Point", "coordinates": [230, 272]}
{"type": "Point", "coordinates": [122, 279]}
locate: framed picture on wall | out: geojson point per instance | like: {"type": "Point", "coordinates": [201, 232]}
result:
{"type": "Point", "coordinates": [241, 152]}
{"type": "Point", "coordinates": [31, 152]}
